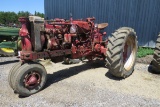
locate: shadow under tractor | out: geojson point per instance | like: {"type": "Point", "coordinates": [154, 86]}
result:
{"type": "Point", "coordinates": [69, 39]}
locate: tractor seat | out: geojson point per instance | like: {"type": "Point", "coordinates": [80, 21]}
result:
{"type": "Point", "coordinates": [102, 25]}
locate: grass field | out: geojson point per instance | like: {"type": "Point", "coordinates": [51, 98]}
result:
{"type": "Point", "coordinates": [142, 52]}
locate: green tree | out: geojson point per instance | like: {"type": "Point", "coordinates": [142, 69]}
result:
{"type": "Point", "coordinates": [39, 14]}
{"type": "Point", "coordinates": [12, 17]}
{"type": "Point", "coordinates": [23, 14]}
{"type": "Point", "coordinates": [8, 17]}
{"type": "Point", "coordinates": [2, 18]}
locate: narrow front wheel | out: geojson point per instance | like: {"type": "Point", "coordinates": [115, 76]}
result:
{"type": "Point", "coordinates": [29, 79]}
{"type": "Point", "coordinates": [12, 73]}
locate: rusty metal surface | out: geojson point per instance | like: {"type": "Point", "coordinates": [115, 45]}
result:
{"type": "Point", "coordinates": [82, 38]}
{"type": "Point", "coordinates": [24, 34]}
{"type": "Point", "coordinates": [35, 35]}
{"type": "Point", "coordinates": [38, 55]}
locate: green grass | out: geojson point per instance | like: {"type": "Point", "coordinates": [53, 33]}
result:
{"type": "Point", "coordinates": [142, 52]}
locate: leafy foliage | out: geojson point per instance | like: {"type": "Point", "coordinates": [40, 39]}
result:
{"type": "Point", "coordinates": [142, 52]}
{"type": "Point", "coordinates": [39, 14]}
{"type": "Point", "coordinates": [12, 17]}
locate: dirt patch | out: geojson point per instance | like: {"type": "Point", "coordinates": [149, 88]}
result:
{"type": "Point", "coordinates": [145, 60]}
{"type": "Point", "coordinates": [84, 84]}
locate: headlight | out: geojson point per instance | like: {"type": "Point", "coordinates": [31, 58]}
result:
{"type": "Point", "coordinates": [73, 29]}
{"type": "Point", "coordinates": [96, 25]}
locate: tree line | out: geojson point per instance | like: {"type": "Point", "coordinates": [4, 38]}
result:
{"type": "Point", "coordinates": [12, 17]}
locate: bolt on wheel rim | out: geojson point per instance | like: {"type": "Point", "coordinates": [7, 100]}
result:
{"type": "Point", "coordinates": [32, 79]}
{"type": "Point", "coordinates": [129, 53]}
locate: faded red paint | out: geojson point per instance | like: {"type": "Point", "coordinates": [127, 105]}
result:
{"type": "Point", "coordinates": [85, 42]}
{"type": "Point", "coordinates": [24, 33]}
{"type": "Point", "coordinates": [32, 79]}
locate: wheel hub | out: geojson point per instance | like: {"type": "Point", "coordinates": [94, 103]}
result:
{"type": "Point", "coordinates": [32, 80]}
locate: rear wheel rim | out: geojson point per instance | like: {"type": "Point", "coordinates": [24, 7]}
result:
{"type": "Point", "coordinates": [129, 53]}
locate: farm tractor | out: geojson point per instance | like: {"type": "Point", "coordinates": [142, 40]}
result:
{"type": "Point", "coordinates": [69, 39]}
{"type": "Point", "coordinates": [9, 41]}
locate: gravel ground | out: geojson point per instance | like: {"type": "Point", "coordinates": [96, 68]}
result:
{"type": "Point", "coordinates": [84, 85]}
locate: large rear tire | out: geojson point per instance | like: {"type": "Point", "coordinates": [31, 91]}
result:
{"type": "Point", "coordinates": [29, 79]}
{"type": "Point", "coordinates": [156, 57]}
{"type": "Point", "coordinates": [122, 51]}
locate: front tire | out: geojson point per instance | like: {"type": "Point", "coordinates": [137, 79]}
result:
{"type": "Point", "coordinates": [121, 53]}
{"type": "Point", "coordinates": [12, 73]}
{"type": "Point", "coordinates": [30, 78]}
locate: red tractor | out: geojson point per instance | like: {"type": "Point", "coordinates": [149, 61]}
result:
{"type": "Point", "coordinates": [70, 39]}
